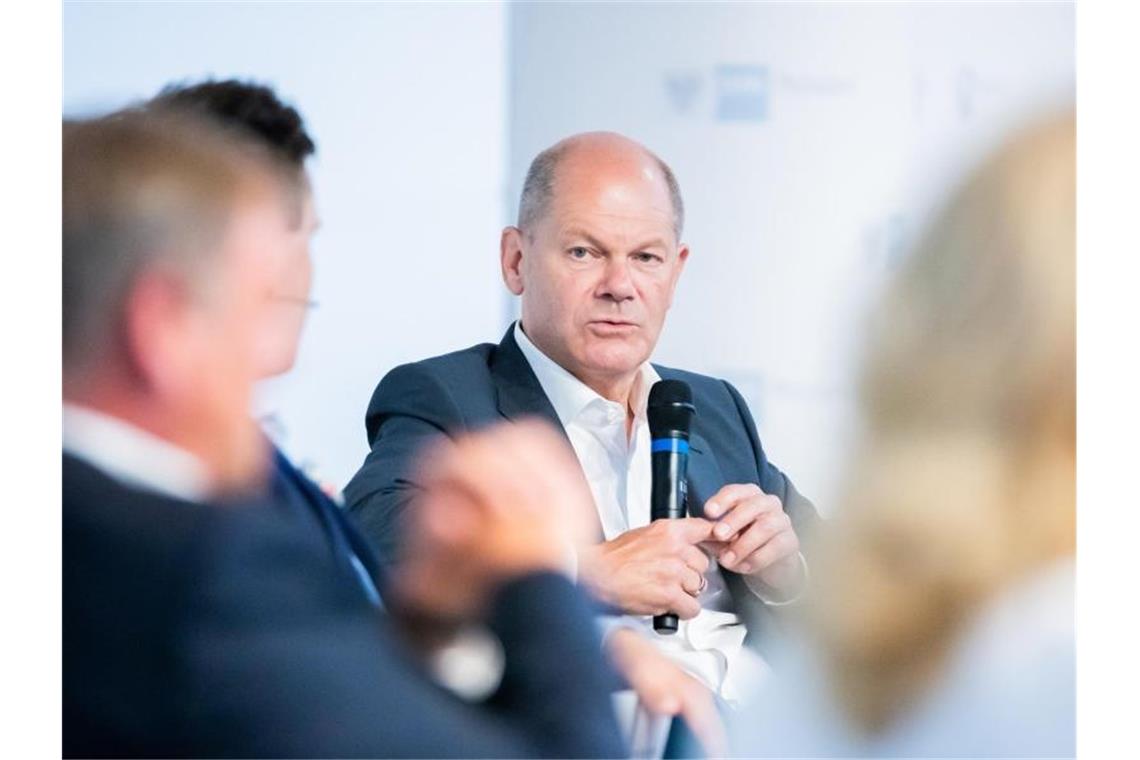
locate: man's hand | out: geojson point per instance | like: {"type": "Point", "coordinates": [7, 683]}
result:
{"type": "Point", "coordinates": [665, 689]}
{"type": "Point", "coordinates": [652, 570]}
{"type": "Point", "coordinates": [495, 505]}
{"type": "Point", "coordinates": [754, 536]}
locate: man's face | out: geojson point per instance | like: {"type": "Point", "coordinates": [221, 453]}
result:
{"type": "Point", "coordinates": [598, 271]}
{"type": "Point", "coordinates": [289, 295]}
{"type": "Point", "coordinates": [228, 330]}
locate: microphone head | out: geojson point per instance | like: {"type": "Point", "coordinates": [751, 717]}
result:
{"type": "Point", "coordinates": [670, 409]}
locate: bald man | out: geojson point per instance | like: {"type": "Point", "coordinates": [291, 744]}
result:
{"type": "Point", "coordinates": [595, 259]}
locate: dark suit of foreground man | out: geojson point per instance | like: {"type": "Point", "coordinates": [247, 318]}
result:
{"type": "Point", "coordinates": [203, 630]}
{"type": "Point", "coordinates": [303, 501]}
{"type": "Point", "coordinates": [197, 623]}
{"type": "Point", "coordinates": [595, 259]}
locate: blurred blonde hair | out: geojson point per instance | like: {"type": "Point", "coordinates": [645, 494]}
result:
{"type": "Point", "coordinates": [142, 191]}
{"type": "Point", "coordinates": [965, 476]}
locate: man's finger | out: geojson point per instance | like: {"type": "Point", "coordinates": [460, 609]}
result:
{"type": "Point", "coordinates": [781, 546]}
{"type": "Point", "coordinates": [754, 537]}
{"type": "Point", "coordinates": [690, 530]}
{"type": "Point", "coordinates": [545, 455]}
{"type": "Point", "coordinates": [699, 711]}
{"type": "Point", "coordinates": [738, 518]}
{"type": "Point", "coordinates": [724, 499]}
{"type": "Point", "coordinates": [683, 605]}
{"type": "Point", "coordinates": [744, 514]}
{"type": "Point", "coordinates": [523, 455]}
{"type": "Point", "coordinates": [474, 464]}
{"type": "Point", "coordinates": [712, 547]}
{"type": "Point", "coordinates": [694, 582]}
{"type": "Point", "coordinates": [660, 701]}
{"type": "Point", "coordinates": [696, 559]}
{"type": "Point", "coordinates": [446, 515]}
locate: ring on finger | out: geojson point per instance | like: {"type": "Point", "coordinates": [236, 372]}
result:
{"type": "Point", "coordinates": [704, 584]}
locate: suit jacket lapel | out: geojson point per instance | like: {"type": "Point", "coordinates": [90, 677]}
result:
{"type": "Point", "coordinates": [519, 394]}
{"type": "Point", "coordinates": [339, 528]}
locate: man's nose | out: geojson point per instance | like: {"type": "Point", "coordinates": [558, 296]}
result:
{"type": "Point", "coordinates": [617, 282]}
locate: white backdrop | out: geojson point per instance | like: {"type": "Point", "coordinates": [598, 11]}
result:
{"type": "Point", "coordinates": [810, 141]}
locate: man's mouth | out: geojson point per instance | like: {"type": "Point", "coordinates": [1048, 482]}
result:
{"type": "Point", "coordinates": [612, 326]}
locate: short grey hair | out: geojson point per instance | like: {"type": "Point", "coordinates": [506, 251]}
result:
{"type": "Point", "coordinates": [143, 191]}
{"type": "Point", "coordinates": [538, 187]}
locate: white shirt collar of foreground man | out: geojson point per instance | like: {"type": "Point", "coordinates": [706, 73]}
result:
{"type": "Point", "coordinates": [710, 646]}
{"type": "Point", "coordinates": [131, 455]}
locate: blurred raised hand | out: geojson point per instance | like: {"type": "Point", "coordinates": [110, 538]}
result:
{"type": "Point", "coordinates": [496, 505]}
{"type": "Point", "coordinates": [663, 688]}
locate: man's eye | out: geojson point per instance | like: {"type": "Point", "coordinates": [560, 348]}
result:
{"type": "Point", "coordinates": [579, 253]}
{"type": "Point", "coordinates": [647, 257]}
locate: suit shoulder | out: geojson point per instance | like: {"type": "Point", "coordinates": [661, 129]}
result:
{"type": "Point", "coordinates": [121, 524]}
{"type": "Point", "coordinates": [446, 368]}
{"type": "Point", "coordinates": [720, 406]}
{"type": "Point", "coordinates": [702, 385]}
{"type": "Point", "coordinates": [440, 390]}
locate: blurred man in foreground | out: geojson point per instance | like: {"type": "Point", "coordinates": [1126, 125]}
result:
{"type": "Point", "coordinates": [257, 113]}
{"type": "Point", "coordinates": [595, 257]}
{"type": "Point", "coordinates": [195, 624]}
{"type": "Point", "coordinates": [943, 624]}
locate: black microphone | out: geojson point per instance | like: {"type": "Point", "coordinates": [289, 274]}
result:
{"type": "Point", "coordinates": [670, 414]}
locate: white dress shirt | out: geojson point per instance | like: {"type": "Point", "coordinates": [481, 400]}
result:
{"type": "Point", "coordinates": [617, 467]}
{"type": "Point", "coordinates": [131, 455]}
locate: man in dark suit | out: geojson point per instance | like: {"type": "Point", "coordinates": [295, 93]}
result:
{"type": "Point", "coordinates": [595, 257]}
{"type": "Point", "coordinates": [256, 112]}
{"type": "Point", "coordinates": [197, 621]}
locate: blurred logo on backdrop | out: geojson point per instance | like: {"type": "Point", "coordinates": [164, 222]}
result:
{"type": "Point", "coordinates": [683, 89]}
{"type": "Point", "coordinates": [741, 92]}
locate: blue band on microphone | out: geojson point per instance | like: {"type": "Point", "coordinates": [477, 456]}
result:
{"type": "Point", "coordinates": [679, 445]}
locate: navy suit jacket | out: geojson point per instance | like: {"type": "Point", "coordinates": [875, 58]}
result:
{"type": "Point", "coordinates": [486, 383]}
{"type": "Point", "coordinates": [302, 500]}
{"type": "Point", "coordinates": [200, 630]}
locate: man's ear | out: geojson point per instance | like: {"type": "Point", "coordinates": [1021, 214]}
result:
{"type": "Point", "coordinates": [155, 320]}
{"type": "Point", "coordinates": [510, 259]}
{"type": "Point", "coordinates": [682, 257]}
